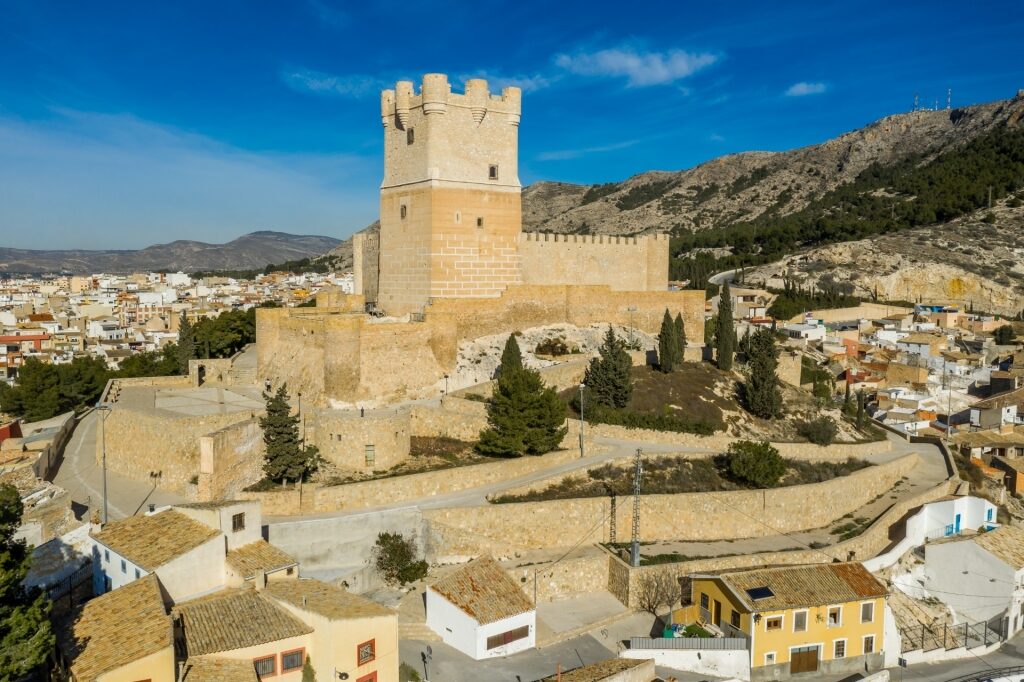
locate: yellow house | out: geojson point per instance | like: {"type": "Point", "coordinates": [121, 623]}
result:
{"type": "Point", "coordinates": [821, 618]}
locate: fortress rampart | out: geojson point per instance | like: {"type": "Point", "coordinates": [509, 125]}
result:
{"type": "Point", "coordinates": [638, 263]}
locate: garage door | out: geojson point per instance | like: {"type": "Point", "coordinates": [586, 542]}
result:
{"type": "Point", "coordinates": [803, 660]}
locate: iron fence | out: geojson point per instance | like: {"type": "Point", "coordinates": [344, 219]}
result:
{"type": "Point", "coordinates": [65, 585]}
{"type": "Point", "coordinates": [690, 643]}
{"type": "Point", "coordinates": [964, 635]}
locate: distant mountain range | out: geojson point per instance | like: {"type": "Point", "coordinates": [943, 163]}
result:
{"type": "Point", "coordinates": [253, 250]}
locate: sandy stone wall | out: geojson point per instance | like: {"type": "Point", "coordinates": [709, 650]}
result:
{"type": "Point", "coordinates": [573, 576]}
{"type": "Point", "coordinates": [285, 502]}
{"type": "Point", "coordinates": [622, 263]}
{"type": "Point", "coordinates": [623, 581]}
{"type": "Point", "coordinates": [212, 370]}
{"type": "Point", "coordinates": [230, 459]}
{"type": "Point", "coordinates": [366, 264]}
{"type": "Point", "coordinates": [454, 418]}
{"type": "Point", "coordinates": [735, 514]}
{"type": "Point", "coordinates": [346, 439]}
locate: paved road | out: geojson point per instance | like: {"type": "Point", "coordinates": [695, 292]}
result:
{"type": "Point", "coordinates": [82, 477]}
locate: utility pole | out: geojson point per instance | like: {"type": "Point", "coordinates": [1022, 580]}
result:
{"type": "Point", "coordinates": [582, 422]}
{"type": "Point", "coordinates": [611, 523]}
{"type": "Point", "coordinates": [990, 197]}
{"type": "Point", "coordinates": [634, 556]}
{"type": "Point", "coordinates": [104, 408]}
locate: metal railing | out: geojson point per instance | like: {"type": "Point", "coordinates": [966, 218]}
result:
{"type": "Point", "coordinates": [690, 643]}
{"type": "Point", "coordinates": [990, 674]}
{"type": "Point", "coordinates": [964, 635]}
{"type": "Point", "coordinates": [63, 586]}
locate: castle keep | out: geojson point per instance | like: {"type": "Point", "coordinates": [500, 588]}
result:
{"type": "Point", "coordinates": [451, 263]}
{"type": "Point", "coordinates": [451, 209]}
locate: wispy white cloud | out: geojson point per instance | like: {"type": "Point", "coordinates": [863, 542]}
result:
{"type": "Point", "coordinates": [639, 68]}
{"type": "Point", "coordinates": [87, 180]}
{"type": "Point", "coordinates": [804, 88]}
{"type": "Point", "coordinates": [354, 86]}
{"type": "Point", "coordinates": [715, 137]}
{"type": "Point", "coordinates": [567, 154]}
{"type": "Point", "coordinates": [497, 81]}
{"type": "Point", "coordinates": [328, 14]}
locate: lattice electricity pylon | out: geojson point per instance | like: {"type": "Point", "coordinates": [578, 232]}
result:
{"type": "Point", "coordinates": [637, 473]}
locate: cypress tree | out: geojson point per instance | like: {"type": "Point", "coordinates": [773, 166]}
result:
{"type": "Point", "coordinates": [860, 409]}
{"type": "Point", "coordinates": [846, 397]}
{"type": "Point", "coordinates": [744, 345]}
{"type": "Point", "coordinates": [725, 336]}
{"type": "Point", "coordinates": [668, 347]}
{"type": "Point", "coordinates": [186, 343]}
{"type": "Point", "coordinates": [287, 459]}
{"type": "Point", "coordinates": [762, 393]}
{"type": "Point", "coordinates": [710, 330]}
{"type": "Point", "coordinates": [524, 416]}
{"type": "Point", "coordinates": [608, 376]}
{"type": "Point", "coordinates": [680, 337]}
{"type": "Point", "coordinates": [26, 638]}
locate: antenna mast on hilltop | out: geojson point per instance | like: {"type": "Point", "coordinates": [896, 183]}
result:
{"type": "Point", "coordinates": [949, 98]}
{"type": "Point", "coordinates": [634, 554]}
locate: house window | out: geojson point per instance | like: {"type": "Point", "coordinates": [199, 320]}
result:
{"type": "Point", "coordinates": [366, 652]}
{"type": "Point", "coordinates": [402, 211]}
{"type": "Point", "coordinates": [839, 648]}
{"type": "Point", "coordinates": [106, 555]}
{"type": "Point", "coordinates": [799, 621]}
{"type": "Point", "coordinates": [869, 644]}
{"type": "Point", "coordinates": [734, 619]}
{"type": "Point", "coordinates": [504, 638]}
{"type": "Point", "coordinates": [479, 222]}
{"type": "Point", "coordinates": [372, 677]}
{"type": "Point", "coordinates": [292, 660]}
{"type": "Point", "coordinates": [410, 135]}
{"type": "Point", "coordinates": [705, 601]}
{"type": "Point", "coordinates": [238, 522]}
{"type": "Point", "coordinates": [769, 658]}
{"type": "Point", "coordinates": [124, 567]}
{"type": "Point", "coordinates": [835, 616]}
{"type": "Point", "coordinates": [773, 623]}
{"type": "Point", "coordinates": [492, 172]}
{"type": "Point", "coordinates": [137, 574]}
{"type": "Point", "coordinates": [265, 666]}
{"type": "Point", "coordinates": [867, 612]}
{"type": "Point", "coordinates": [988, 514]}
{"type": "Point", "coordinates": [370, 454]}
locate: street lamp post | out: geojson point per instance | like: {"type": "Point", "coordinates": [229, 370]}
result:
{"type": "Point", "coordinates": [446, 384]}
{"type": "Point", "coordinates": [582, 421]}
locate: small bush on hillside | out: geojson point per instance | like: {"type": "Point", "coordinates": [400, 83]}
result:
{"type": "Point", "coordinates": [820, 431]}
{"type": "Point", "coordinates": [394, 556]}
{"type": "Point", "coordinates": [554, 347]}
{"type": "Point", "coordinates": [756, 463]}
{"type": "Point", "coordinates": [647, 420]}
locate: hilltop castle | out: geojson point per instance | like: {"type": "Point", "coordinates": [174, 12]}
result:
{"type": "Point", "coordinates": [451, 262]}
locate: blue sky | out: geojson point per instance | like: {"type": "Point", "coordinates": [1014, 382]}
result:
{"type": "Point", "coordinates": [129, 123]}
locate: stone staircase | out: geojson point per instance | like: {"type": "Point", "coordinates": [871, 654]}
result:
{"type": "Point", "coordinates": [242, 376]}
{"type": "Point", "coordinates": [412, 616]}
{"type": "Point", "coordinates": [417, 631]}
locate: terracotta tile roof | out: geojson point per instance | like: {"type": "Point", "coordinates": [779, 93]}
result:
{"type": "Point", "coordinates": [799, 586]}
{"type": "Point", "coordinates": [256, 556]}
{"type": "Point", "coordinates": [152, 541]}
{"type": "Point", "coordinates": [1006, 543]}
{"type": "Point", "coordinates": [1004, 399]}
{"type": "Point", "coordinates": [483, 590]}
{"type": "Point", "coordinates": [117, 628]}
{"type": "Point", "coordinates": [219, 670]}
{"type": "Point", "coordinates": [325, 599]}
{"type": "Point", "coordinates": [599, 671]}
{"type": "Point", "coordinates": [214, 504]}
{"type": "Point", "coordinates": [234, 619]}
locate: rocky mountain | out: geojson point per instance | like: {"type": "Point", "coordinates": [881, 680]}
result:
{"type": "Point", "coordinates": [253, 250]}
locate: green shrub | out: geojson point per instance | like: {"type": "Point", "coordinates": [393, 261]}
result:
{"type": "Point", "coordinates": [756, 463]}
{"type": "Point", "coordinates": [554, 347]}
{"type": "Point", "coordinates": [820, 431]}
{"type": "Point", "coordinates": [394, 556]}
{"type": "Point", "coordinates": [648, 420]}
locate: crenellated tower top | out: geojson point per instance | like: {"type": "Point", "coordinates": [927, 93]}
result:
{"type": "Point", "coordinates": [436, 96]}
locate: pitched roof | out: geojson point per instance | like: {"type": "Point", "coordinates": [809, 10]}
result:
{"type": "Point", "coordinates": [811, 585]}
{"type": "Point", "coordinates": [325, 599]}
{"type": "Point", "coordinates": [482, 589]}
{"type": "Point", "coordinates": [258, 556]}
{"type": "Point", "coordinates": [1004, 399]}
{"type": "Point", "coordinates": [234, 619]}
{"type": "Point", "coordinates": [219, 670]}
{"type": "Point", "coordinates": [213, 504]}
{"type": "Point", "coordinates": [151, 541]}
{"type": "Point", "coordinates": [1006, 543]}
{"type": "Point", "coordinates": [117, 628]}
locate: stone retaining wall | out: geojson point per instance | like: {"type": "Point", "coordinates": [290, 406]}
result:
{"type": "Point", "coordinates": [455, 418]}
{"type": "Point", "coordinates": [284, 502]}
{"type": "Point", "coordinates": [690, 516]}
{"type": "Point", "coordinates": [230, 459]}
{"type": "Point", "coordinates": [623, 581]}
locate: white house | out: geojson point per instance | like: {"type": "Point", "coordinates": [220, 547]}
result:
{"type": "Point", "coordinates": [805, 331]}
{"type": "Point", "coordinates": [194, 549]}
{"type": "Point", "coordinates": [481, 611]}
{"type": "Point", "coordinates": [980, 577]}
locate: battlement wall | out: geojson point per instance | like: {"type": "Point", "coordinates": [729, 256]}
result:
{"type": "Point", "coordinates": [634, 263]}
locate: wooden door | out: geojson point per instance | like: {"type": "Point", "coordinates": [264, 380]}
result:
{"type": "Point", "coordinates": [803, 660]}
{"type": "Point", "coordinates": [716, 615]}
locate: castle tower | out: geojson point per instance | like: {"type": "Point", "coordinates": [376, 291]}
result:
{"type": "Point", "coordinates": [450, 205]}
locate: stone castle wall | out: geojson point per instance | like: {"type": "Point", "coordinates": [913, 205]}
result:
{"type": "Point", "coordinates": [622, 263]}
{"type": "Point", "coordinates": [230, 459]}
{"type": "Point", "coordinates": [332, 353]}
{"type": "Point", "coordinates": [376, 441]}
{"type": "Point", "coordinates": [366, 264]}
{"type": "Point", "coordinates": [691, 516]}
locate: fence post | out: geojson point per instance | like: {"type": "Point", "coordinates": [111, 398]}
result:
{"type": "Point", "coordinates": [967, 643]}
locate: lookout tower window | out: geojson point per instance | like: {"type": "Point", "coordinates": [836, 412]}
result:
{"type": "Point", "coordinates": [479, 222]}
{"type": "Point", "coordinates": [458, 217]}
{"type": "Point", "coordinates": [402, 211]}
{"type": "Point", "coordinates": [410, 135]}
{"type": "Point", "coordinates": [492, 171]}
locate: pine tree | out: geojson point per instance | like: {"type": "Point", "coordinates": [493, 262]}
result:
{"type": "Point", "coordinates": [607, 377]}
{"type": "Point", "coordinates": [26, 638]}
{"type": "Point", "coordinates": [761, 392]}
{"type": "Point", "coordinates": [668, 347]}
{"type": "Point", "coordinates": [287, 458]}
{"type": "Point", "coordinates": [710, 330]}
{"type": "Point", "coordinates": [725, 336]}
{"type": "Point", "coordinates": [680, 337]}
{"type": "Point", "coordinates": [524, 416]}
{"type": "Point", "coordinates": [186, 344]}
